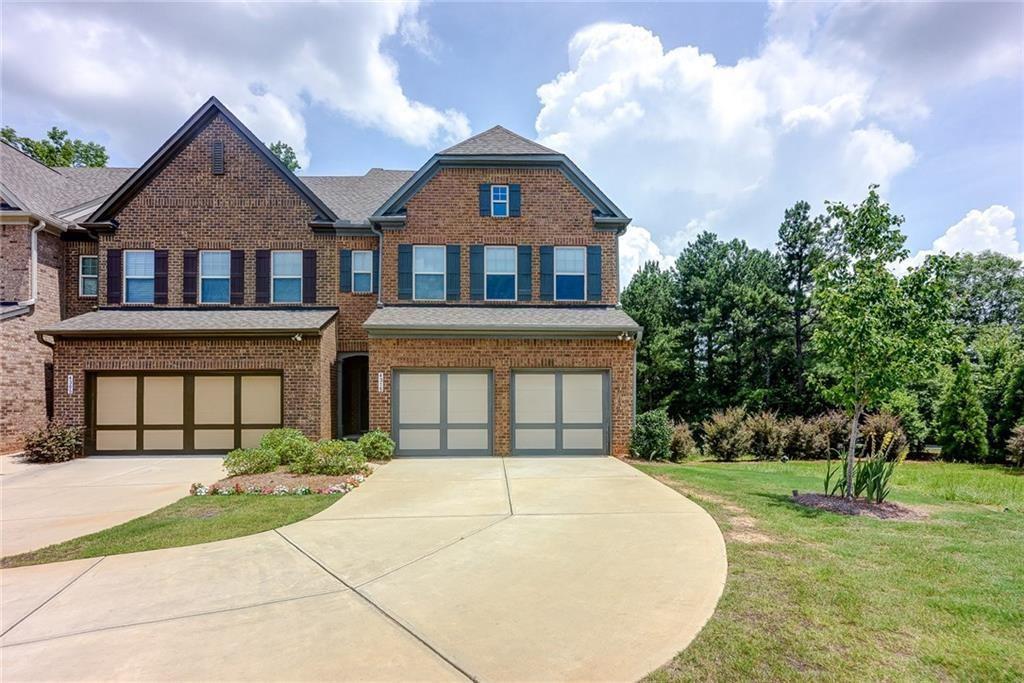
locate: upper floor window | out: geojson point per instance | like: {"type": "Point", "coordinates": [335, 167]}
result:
{"type": "Point", "coordinates": [428, 273]}
{"type": "Point", "coordinates": [499, 201]}
{"type": "Point", "coordinates": [88, 275]}
{"type": "Point", "coordinates": [286, 277]}
{"type": "Point", "coordinates": [500, 273]}
{"type": "Point", "coordinates": [214, 277]}
{"type": "Point", "coordinates": [362, 272]}
{"type": "Point", "coordinates": [138, 276]}
{"type": "Point", "coordinates": [570, 273]}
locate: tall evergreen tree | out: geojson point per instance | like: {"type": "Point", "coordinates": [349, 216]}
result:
{"type": "Point", "coordinates": [962, 421]}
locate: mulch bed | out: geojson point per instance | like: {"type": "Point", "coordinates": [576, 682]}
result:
{"type": "Point", "coordinates": [857, 506]}
{"type": "Point", "coordinates": [282, 477]}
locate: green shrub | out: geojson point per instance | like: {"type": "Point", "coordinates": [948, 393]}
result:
{"type": "Point", "coordinates": [683, 445]}
{"type": "Point", "coordinates": [651, 437]}
{"type": "Point", "coordinates": [962, 420]}
{"type": "Point", "coordinates": [875, 428]}
{"type": "Point", "coordinates": [726, 436]}
{"type": "Point", "coordinates": [54, 443]}
{"type": "Point", "coordinates": [289, 444]}
{"type": "Point", "coordinates": [251, 461]}
{"type": "Point", "coordinates": [802, 439]}
{"type": "Point", "coordinates": [376, 445]}
{"type": "Point", "coordinates": [1015, 444]}
{"type": "Point", "coordinates": [832, 432]}
{"type": "Point", "coordinates": [339, 457]}
{"type": "Point", "coordinates": [767, 436]}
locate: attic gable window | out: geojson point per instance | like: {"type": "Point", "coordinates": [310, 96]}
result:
{"type": "Point", "coordinates": [499, 201]}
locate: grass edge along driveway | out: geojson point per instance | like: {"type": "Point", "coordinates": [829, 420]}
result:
{"type": "Point", "coordinates": [812, 594]}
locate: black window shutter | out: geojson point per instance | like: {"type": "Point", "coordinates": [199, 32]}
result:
{"type": "Point", "coordinates": [113, 276]}
{"type": "Point", "coordinates": [453, 285]}
{"type": "Point", "coordinates": [485, 200]}
{"type": "Point", "coordinates": [525, 268]}
{"type": "Point", "coordinates": [515, 198]}
{"type": "Point", "coordinates": [476, 272]}
{"type": "Point", "coordinates": [160, 276]}
{"type": "Point", "coordinates": [547, 273]}
{"type": "Point", "coordinates": [217, 158]}
{"type": "Point", "coordinates": [345, 270]}
{"type": "Point", "coordinates": [189, 275]}
{"type": "Point", "coordinates": [594, 272]}
{"type": "Point", "coordinates": [309, 276]}
{"type": "Point", "coordinates": [237, 277]}
{"type": "Point", "coordinates": [376, 271]}
{"type": "Point", "coordinates": [404, 271]}
{"type": "Point", "coordinates": [262, 276]}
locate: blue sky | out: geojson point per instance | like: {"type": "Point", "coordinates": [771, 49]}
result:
{"type": "Point", "coordinates": [690, 116]}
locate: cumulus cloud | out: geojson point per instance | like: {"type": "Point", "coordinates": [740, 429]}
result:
{"type": "Point", "coordinates": [989, 230]}
{"type": "Point", "coordinates": [637, 247]}
{"type": "Point", "coordinates": [132, 73]}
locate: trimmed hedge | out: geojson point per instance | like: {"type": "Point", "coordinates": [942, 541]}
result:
{"type": "Point", "coordinates": [251, 461]}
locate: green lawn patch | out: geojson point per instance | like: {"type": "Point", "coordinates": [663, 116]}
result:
{"type": "Point", "coordinates": [812, 594]}
{"type": "Point", "coordinates": [191, 520]}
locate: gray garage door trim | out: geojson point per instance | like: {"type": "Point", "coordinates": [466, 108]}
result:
{"type": "Point", "coordinates": [442, 425]}
{"type": "Point", "coordinates": [559, 425]}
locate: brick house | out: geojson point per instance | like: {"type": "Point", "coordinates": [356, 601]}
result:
{"type": "Point", "coordinates": [468, 307]}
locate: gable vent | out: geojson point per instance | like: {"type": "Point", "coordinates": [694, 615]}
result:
{"type": "Point", "coordinates": [218, 158]}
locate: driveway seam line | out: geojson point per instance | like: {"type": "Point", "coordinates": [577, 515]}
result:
{"type": "Point", "coordinates": [508, 488]}
{"type": "Point", "coordinates": [381, 610]}
{"type": "Point", "coordinates": [356, 519]}
{"type": "Point", "coordinates": [193, 615]}
{"type": "Point", "coordinates": [45, 602]}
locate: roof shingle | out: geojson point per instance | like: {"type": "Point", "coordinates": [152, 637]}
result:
{"type": "Point", "coordinates": [531, 320]}
{"type": "Point", "coordinates": [179, 322]}
{"type": "Point", "coordinates": [497, 141]}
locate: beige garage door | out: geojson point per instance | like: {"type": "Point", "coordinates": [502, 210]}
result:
{"type": "Point", "coordinates": [560, 412]}
{"type": "Point", "coordinates": [181, 413]}
{"type": "Point", "coordinates": [442, 412]}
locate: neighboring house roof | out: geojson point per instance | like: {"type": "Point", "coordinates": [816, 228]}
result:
{"type": "Point", "coordinates": [193, 322]}
{"type": "Point", "coordinates": [497, 140]}
{"type": "Point", "coordinates": [499, 321]}
{"type": "Point", "coordinates": [180, 139]}
{"type": "Point", "coordinates": [355, 198]}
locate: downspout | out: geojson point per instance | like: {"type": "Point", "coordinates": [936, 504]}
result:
{"type": "Point", "coordinates": [380, 259]}
{"type": "Point", "coordinates": [35, 265]}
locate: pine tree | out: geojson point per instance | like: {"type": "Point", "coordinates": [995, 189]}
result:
{"type": "Point", "coordinates": [962, 420]}
{"type": "Point", "coordinates": [1012, 409]}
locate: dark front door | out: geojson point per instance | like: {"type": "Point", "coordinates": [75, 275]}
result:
{"type": "Point", "coordinates": [355, 395]}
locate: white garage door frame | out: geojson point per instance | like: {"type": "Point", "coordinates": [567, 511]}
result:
{"type": "Point", "coordinates": [443, 425]}
{"type": "Point", "coordinates": [559, 425]}
{"type": "Point", "coordinates": [187, 425]}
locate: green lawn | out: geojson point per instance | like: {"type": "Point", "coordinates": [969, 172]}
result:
{"type": "Point", "coordinates": [195, 519]}
{"type": "Point", "coordinates": [811, 594]}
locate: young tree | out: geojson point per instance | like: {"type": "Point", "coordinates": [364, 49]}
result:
{"type": "Point", "coordinates": [800, 249]}
{"type": "Point", "coordinates": [56, 149]}
{"type": "Point", "coordinates": [283, 151]}
{"type": "Point", "coordinates": [962, 421]}
{"type": "Point", "coordinates": [875, 333]}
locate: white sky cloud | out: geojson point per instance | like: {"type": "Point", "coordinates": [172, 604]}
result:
{"type": "Point", "coordinates": [135, 72]}
{"type": "Point", "coordinates": [990, 230]}
{"type": "Point", "coordinates": [636, 247]}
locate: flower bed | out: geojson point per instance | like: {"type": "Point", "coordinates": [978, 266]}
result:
{"type": "Point", "coordinates": [279, 483]}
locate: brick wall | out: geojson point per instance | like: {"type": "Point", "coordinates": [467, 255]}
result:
{"type": "Point", "coordinates": [307, 367]}
{"type": "Point", "coordinates": [73, 303]}
{"type": "Point", "coordinates": [502, 356]}
{"type": "Point", "coordinates": [248, 207]}
{"type": "Point", "coordinates": [354, 309]}
{"type": "Point", "coordinates": [447, 211]}
{"type": "Point", "coordinates": [22, 357]}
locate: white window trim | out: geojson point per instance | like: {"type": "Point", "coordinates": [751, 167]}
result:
{"type": "Point", "coordinates": [514, 273]}
{"type": "Point", "coordinates": [352, 284]}
{"type": "Point", "coordinates": [125, 277]}
{"type": "Point", "coordinates": [81, 259]}
{"type": "Point", "coordinates": [214, 277]}
{"type": "Point", "coordinates": [507, 202]}
{"type": "Point", "coordinates": [443, 273]}
{"type": "Point", "coordinates": [554, 267]}
{"type": "Point", "coordinates": [273, 277]}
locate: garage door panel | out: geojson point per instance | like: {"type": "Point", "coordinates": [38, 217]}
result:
{"type": "Point", "coordinates": [442, 412]}
{"type": "Point", "coordinates": [116, 400]}
{"type": "Point", "coordinates": [535, 439]}
{"type": "Point", "coordinates": [261, 399]}
{"type": "Point", "coordinates": [419, 398]}
{"type": "Point", "coordinates": [535, 398]}
{"type": "Point", "coordinates": [465, 391]}
{"type": "Point", "coordinates": [574, 403]}
{"type": "Point", "coordinates": [116, 440]}
{"type": "Point", "coordinates": [582, 398]}
{"type": "Point", "coordinates": [468, 439]}
{"type": "Point", "coordinates": [163, 439]}
{"type": "Point", "coordinates": [163, 400]}
{"type": "Point", "coordinates": [215, 439]}
{"type": "Point", "coordinates": [419, 439]}
{"type": "Point", "coordinates": [214, 400]}
{"type": "Point", "coordinates": [583, 439]}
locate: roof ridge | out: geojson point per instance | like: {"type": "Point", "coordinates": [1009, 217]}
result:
{"type": "Point", "coordinates": [502, 129]}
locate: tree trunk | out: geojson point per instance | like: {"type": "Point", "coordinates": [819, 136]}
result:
{"type": "Point", "coordinates": [851, 454]}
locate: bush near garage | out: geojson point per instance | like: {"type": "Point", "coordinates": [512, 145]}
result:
{"type": "Point", "coordinates": [651, 438]}
{"type": "Point", "coordinates": [288, 443]}
{"type": "Point", "coordinates": [376, 445]}
{"type": "Point", "coordinates": [54, 443]}
{"type": "Point", "coordinates": [683, 444]}
{"type": "Point", "coordinates": [767, 435]}
{"type": "Point", "coordinates": [726, 435]}
{"type": "Point", "coordinates": [251, 461]}
{"type": "Point", "coordinates": [330, 457]}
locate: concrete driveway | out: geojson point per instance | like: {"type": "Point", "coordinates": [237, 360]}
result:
{"type": "Point", "coordinates": [45, 504]}
{"type": "Point", "coordinates": [516, 569]}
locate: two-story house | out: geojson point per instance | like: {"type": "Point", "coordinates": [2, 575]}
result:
{"type": "Point", "coordinates": [469, 307]}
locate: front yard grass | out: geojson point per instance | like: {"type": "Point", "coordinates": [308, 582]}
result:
{"type": "Point", "coordinates": [194, 519]}
{"type": "Point", "coordinates": [812, 594]}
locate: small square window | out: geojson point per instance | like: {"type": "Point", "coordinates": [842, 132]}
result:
{"type": "Point", "coordinates": [138, 277]}
{"type": "Point", "coordinates": [570, 273]}
{"type": "Point", "coordinates": [214, 277]}
{"type": "Point", "coordinates": [88, 276]}
{"type": "Point", "coordinates": [500, 273]}
{"type": "Point", "coordinates": [286, 277]}
{"type": "Point", "coordinates": [428, 273]}
{"type": "Point", "coordinates": [499, 201]}
{"type": "Point", "coordinates": [362, 272]}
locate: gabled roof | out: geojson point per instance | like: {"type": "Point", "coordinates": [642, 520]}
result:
{"type": "Point", "coordinates": [497, 140]}
{"type": "Point", "coordinates": [355, 198]}
{"type": "Point", "coordinates": [182, 137]}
